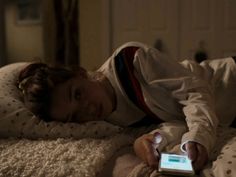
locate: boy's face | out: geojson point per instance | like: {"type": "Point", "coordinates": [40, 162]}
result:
{"type": "Point", "coordinates": [80, 100]}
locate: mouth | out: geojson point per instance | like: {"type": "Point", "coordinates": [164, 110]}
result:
{"type": "Point", "coordinates": [99, 111]}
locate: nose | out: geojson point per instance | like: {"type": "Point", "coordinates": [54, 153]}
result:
{"type": "Point", "coordinates": [91, 109]}
{"type": "Point", "coordinates": [84, 104]}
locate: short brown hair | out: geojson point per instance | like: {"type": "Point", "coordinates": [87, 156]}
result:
{"type": "Point", "coordinates": [36, 81]}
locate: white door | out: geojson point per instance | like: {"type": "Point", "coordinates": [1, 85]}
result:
{"type": "Point", "coordinates": [207, 24]}
{"type": "Point", "coordinates": [183, 26]}
{"type": "Point", "coordinates": [146, 21]}
{"type": "Point", "coordinates": [227, 26]}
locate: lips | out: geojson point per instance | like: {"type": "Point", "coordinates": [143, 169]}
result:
{"type": "Point", "coordinates": [99, 111]}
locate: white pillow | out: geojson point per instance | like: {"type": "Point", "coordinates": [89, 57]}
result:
{"type": "Point", "coordinates": [17, 121]}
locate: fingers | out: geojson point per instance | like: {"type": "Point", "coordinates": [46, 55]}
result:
{"type": "Point", "coordinates": [150, 157]}
{"type": "Point", "coordinates": [198, 154]}
{"type": "Point", "coordinates": [144, 149]}
{"type": "Point", "coordinates": [191, 150]}
{"type": "Point", "coordinates": [202, 158]}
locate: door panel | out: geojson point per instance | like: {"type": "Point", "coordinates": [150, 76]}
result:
{"type": "Point", "coordinates": [209, 21]}
{"type": "Point", "coordinates": [146, 21]}
{"type": "Point", "coordinates": [228, 25]}
{"type": "Point", "coordinates": [183, 26]}
{"type": "Point", "coordinates": [197, 27]}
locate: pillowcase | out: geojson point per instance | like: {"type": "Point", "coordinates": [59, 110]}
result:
{"type": "Point", "coordinates": [17, 121]}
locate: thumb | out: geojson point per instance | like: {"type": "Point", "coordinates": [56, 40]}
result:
{"type": "Point", "coordinates": [191, 150]}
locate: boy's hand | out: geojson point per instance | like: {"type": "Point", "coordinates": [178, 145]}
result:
{"type": "Point", "coordinates": [145, 150]}
{"type": "Point", "coordinates": [198, 154]}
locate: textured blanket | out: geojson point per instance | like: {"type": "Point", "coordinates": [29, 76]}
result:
{"type": "Point", "coordinates": [87, 157]}
{"type": "Point", "coordinates": [61, 157]}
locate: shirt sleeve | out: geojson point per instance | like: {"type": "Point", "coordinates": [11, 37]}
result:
{"type": "Point", "coordinates": [169, 85]}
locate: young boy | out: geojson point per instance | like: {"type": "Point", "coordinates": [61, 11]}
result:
{"type": "Point", "coordinates": [138, 81]}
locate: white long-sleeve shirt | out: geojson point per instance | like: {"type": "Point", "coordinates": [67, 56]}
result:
{"type": "Point", "coordinates": [202, 95]}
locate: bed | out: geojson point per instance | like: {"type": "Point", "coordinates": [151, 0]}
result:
{"type": "Point", "coordinates": [32, 147]}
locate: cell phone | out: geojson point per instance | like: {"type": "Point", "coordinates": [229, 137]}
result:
{"type": "Point", "coordinates": [174, 164]}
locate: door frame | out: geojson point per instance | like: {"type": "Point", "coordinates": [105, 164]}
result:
{"type": "Point", "coordinates": [2, 34]}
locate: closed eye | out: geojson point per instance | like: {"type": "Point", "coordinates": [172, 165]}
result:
{"type": "Point", "coordinates": [68, 118]}
{"type": "Point", "coordinates": [77, 94]}
{"type": "Point", "coordinates": [71, 117]}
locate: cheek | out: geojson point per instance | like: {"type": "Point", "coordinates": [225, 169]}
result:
{"type": "Point", "coordinates": [94, 91]}
{"type": "Point", "coordinates": [57, 112]}
{"type": "Point", "coordinates": [59, 108]}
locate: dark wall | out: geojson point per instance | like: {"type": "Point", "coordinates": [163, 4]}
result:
{"type": "Point", "coordinates": [2, 35]}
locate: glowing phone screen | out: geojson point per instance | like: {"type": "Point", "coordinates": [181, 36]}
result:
{"type": "Point", "coordinates": [176, 162]}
